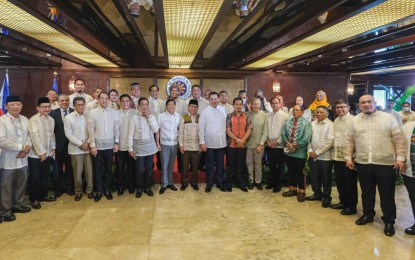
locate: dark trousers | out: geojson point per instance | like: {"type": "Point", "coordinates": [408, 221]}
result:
{"type": "Point", "coordinates": [235, 165]}
{"type": "Point", "coordinates": [383, 176]}
{"type": "Point", "coordinates": [144, 171]}
{"type": "Point", "coordinates": [39, 178]}
{"type": "Point", "coordinates": [295, 167]}
{"type": "Point", "coordinates": [193, 158]}
{"type": "Point", "coordinates": [321, 177]}
{"type": "Point", "coordinates": [276, 165]}
{"type": "Point", "coordinates": [125, 170]}
{"type": "Point", "coordinates": [179, 160]}
{"type": "Point", "coordinates": [215, 157]}
{"type": "Point", "coordinates": [346, 182]}
{"type": "Point", "coordinates": [103, 170]}
{"type": "Point", "coordinates": [410, 186]}
{"type": "Point", "coordinates": [202, 161]}
{"type": "Point", "coordinates": [63, 180]}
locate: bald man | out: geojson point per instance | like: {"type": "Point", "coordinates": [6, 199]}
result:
{"type": "Point", "coordinates": [380, 149]}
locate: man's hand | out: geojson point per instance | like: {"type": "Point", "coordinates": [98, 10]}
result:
{"type": "Point", "coordinates": [52, 153]}
{"type": "Point", "coordinates": [133, 154]}
{"type": "Point", "coordinates": [84, 146]}
{"type": "Point", "coordinates": [182, 149]}
{"type": "Point", "coordinates": [115, 148]}
{"type": "Point", "coordinates": [312, 155]}
{"type": "Point", "coordinates": [43, 157]}
{"type": "Point", "coordinates": [26, 149]}
{"type": "Point", "coordinates": [259, 148]}
{"type": "Point", "coordinates": [400, 165]}
{"type": "Point", "coordinates": [350, 164]}
{"type": "Point", "coordinates": [203, 147]}
{"type": "Point", "coordinates": [94, 151]}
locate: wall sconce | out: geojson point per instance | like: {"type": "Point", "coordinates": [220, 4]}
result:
{"type": "Point", "coordinates": [350, 89]}
{"type": "Point", "coordinates": [322, 18]}
{"type": "Point", "coordinates": [276, 86]}
{"type": "Point", "coordinates": [72, 84]}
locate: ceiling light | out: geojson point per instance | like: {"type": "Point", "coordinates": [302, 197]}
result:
{"type": "Point", "coordinates": [187, 23]}
{"type": "Point", "coordinates": [19, 20]}
{"type": "Point", "coordinates": [380, 15]}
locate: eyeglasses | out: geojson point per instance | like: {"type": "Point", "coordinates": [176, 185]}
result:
{"type": "Point", "coordinates": [45, 107]}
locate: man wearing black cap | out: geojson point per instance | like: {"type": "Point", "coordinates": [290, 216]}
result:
{"type": "Point", "coordinates": [15, 144]}
{"type": "Point", "coordinates": [41, 157]}
{"type": "Point", "coordinates": [135, 94]}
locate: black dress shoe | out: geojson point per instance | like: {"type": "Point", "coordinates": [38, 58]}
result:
{"type": "Point", "coordinates": [313, 198]}
{"type": "Point", "coordinates": [108, 195]}
{"type": "Point", "coordinates": [389, 229]}
{"type": "Point", "coordinates": [208, 188]}
{"type": "Point", "coordinates": [243, 188]}
{"type": "Point", "coordinates": [259, 186]}
{"type": "Point", "coordinates": [1, 219]}
{"type": "Point", "coordinates": [363, 220]}
{"type": "Point", "coordinates": [131, 190]}
{"type": "Point", "coordinates": [98, 196]}
{"type": "Point", "coordinates": [250, 186]}
{"type": "Point", "coordinates": [48, 199]}
{"type": "Point", "coordinates": [337, 206]}
{"type": "Point", "coordinates": [172, 187]}
{"type": "Point", "coordinates": [269, 186]}
{"type": "Point", "coordinates": [410, 230]}
{"type": "Point", "coordinates": [184, 186]}
{"type": "Point", "coordinates": [120, 192]}
{"type": "Point", "coordinates": [221, 187]}
{"type": "Point", "coordinates": [149, 192]}
{"type": "Point", "coordinates": [36, 204]}
{"type": "Point", "coordinates": [276, 189]}
{"type": "Point", "coordinates": [138, 193]}
{"type": "Point", "coordinates": [348, 211]}
{"type": "Point", "coordinates": [78, 197]}
{"type": "Point", "coordinates": [57, 194]}
{"type": "Point", "coordinates": [195, 186]}
{"type": "Point", "coordinates": [228, 187]}
{"type": "Point", "coordinates": [162, 190]}
{"type": "Point", "coordinates": [10, 217]}
{"type": "Point", "coordinates": [326, 203]}
{"type": "Point", "coordinates": [70, 193]}
{"type": "Point", "coordinates": [21, 209]}
{"type": "Point", "coordinates": [90, 195]}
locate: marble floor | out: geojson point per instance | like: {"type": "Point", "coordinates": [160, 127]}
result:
{"type": "Point", "coordinates": [196, 225]}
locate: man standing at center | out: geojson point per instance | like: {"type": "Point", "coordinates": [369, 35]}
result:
{"type": "Point", "coordinates": [212, 135]}
{"type": "Point", "coordinates": [63, 181]}
{"type": "Point", "coordinates": [104, 135]}
{"type": "Point", "coordinates": [274, 148]}
{"type": "Point", "coordinates": [319, 154]}
{"type": "Point", "coordinates": [256, 144]}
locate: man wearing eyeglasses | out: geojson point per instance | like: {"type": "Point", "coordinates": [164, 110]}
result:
{"type": "Point", "coordinates": [42, 154]}
{"type": "Point", "coordinates": [346, 179]}
{"type": "Point", "coordinates": [15, 144]}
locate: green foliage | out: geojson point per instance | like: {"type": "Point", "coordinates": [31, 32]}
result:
{"type": "Point", "coordinates": [399, 101]}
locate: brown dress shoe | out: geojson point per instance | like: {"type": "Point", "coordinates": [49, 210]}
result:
{"type": "Point", "coordinates": [301, 197]}
{"type": "Point", "coordinates": [289, 193]}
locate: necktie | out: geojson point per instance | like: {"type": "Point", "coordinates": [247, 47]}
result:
{"type": "Point", "coordinates": [65, 112]}
{"type": "Point", "coordinates": [293, 130]}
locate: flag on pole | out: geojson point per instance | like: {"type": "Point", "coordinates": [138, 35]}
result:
{"type": "Point", "coordinates": [4, 92]}
{"type": "Point", "coordinates": [55, 83]}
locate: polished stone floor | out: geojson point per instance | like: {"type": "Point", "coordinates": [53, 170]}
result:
{"type": "Point", "coordinates": [196, 225]}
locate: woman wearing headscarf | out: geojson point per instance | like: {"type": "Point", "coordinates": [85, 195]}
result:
{"type": "Point", "coordinates": [321, 100]}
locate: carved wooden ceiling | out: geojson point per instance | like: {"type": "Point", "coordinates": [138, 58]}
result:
{"type": "Point", "coordinates": [354, 36]}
